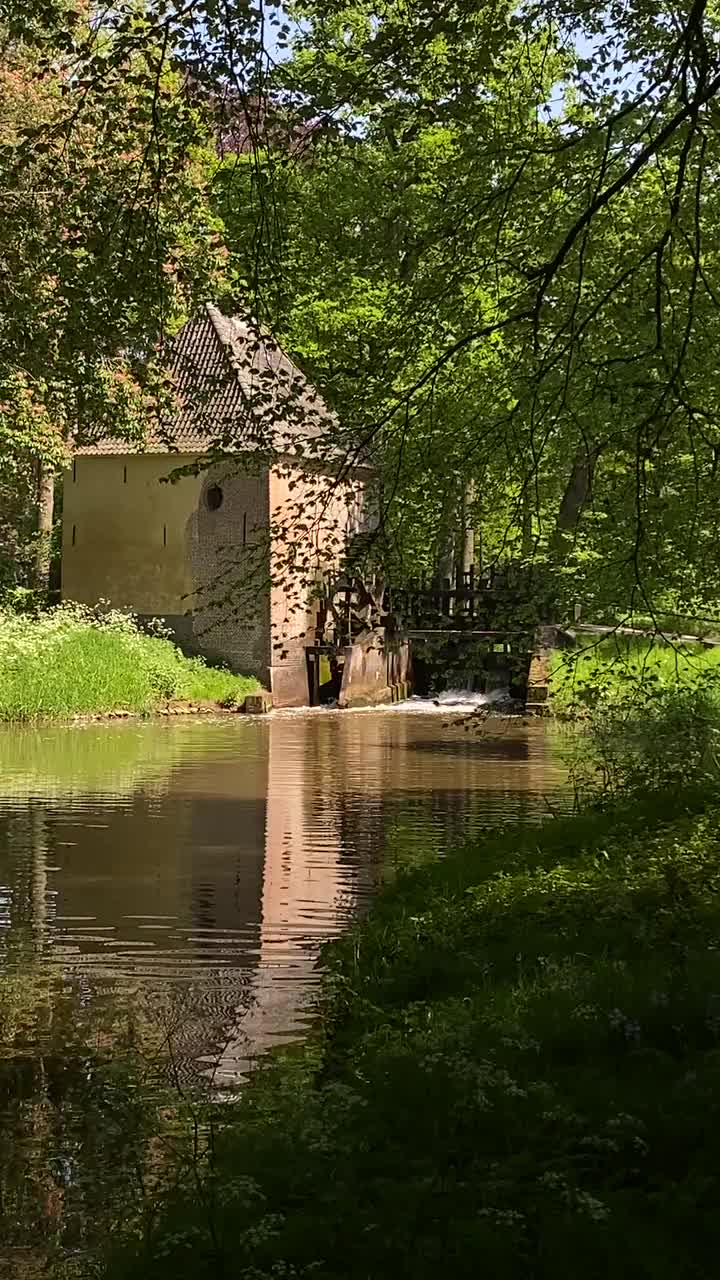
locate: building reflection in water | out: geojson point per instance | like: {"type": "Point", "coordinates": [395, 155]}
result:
{"type": "Point", "coordinates": [203, 875]}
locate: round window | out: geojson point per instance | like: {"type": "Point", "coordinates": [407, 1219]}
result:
{"type": "Point", "coordinates": [214, 497]}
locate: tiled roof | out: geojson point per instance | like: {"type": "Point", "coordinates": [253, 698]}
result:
{"type": "Point", "coordinates": [237, 391]}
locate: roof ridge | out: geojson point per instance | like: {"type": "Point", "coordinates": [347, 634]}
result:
{"type": "Point", "coordinates": [224, 329]}
{"type": "Point", "coordinates": [214, 313]}
{"type": "Point", "coordinates": [216, 317]}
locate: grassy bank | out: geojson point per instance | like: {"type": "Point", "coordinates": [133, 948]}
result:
{"type": "Point", "coordinates": [69, 661]}
{"type": "Point", "coordinates": [517, 1074]}
{"type": "Point", "coordinates": [618, 666]}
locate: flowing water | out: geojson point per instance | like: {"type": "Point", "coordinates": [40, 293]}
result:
{"type": "Point", "coordinates": [164, 890]}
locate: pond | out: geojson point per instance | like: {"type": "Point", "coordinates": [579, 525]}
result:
{"type": "Point", "coordinates": [164, 890]}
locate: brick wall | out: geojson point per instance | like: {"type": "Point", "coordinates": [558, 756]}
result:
{"type": "Point", "coordinates": [228, 549]}
{"type": "Point", "coordinates": [311, 514]}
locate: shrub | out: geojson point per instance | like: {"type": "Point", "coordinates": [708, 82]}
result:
{"type": "Point", "coordinates": [616, 669]}
{"type": "Point", "coordinates": [642, 718]}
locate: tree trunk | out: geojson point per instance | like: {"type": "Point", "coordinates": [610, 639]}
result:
{"type": "Point", "coordinates": [578, 492]}
{"type": "Point", "coordinates": [466, 539]}
{"type": "Point", "coordinates": [46, 510]}
{"type": "Point", "coordinates": [528, 541]}
{"type": "Point", "coordinates": [447, 538]}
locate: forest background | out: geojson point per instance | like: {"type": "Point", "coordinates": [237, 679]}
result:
{"type": "Point", "coordinates": [487, 233]}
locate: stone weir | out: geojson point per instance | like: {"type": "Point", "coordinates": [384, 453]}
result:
{"type": "Point", "coordinates": [548, 640]}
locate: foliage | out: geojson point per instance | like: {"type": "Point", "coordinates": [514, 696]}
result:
{"type": "Point", "coordinates": [617, 668]}
{"type": "Point", "coordinates": [361, 266]}
{"type": "Point", "coordinates": [104, 257]}
{"type": "Point", "coordinates": [488, 234]}
{"type": "Point", "coordinates": [105, 247]}
{"type": "Point", "coordinates": [492, 242]}
{"type": "Point", "coordinates": [77, 661]}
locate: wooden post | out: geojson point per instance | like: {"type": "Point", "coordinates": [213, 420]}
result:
{"type": "Point", "coordinates": [320, 622]}
{"type": "Point", "coordinates": [313, 669]}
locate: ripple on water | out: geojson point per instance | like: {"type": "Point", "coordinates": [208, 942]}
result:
{"type": "Point", "coordinates": [200, 865]}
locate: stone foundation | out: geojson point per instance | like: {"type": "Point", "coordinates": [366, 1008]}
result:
{"type": "Point", "coordinates": [548, 640]}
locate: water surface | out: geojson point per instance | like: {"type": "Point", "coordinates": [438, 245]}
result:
{"type": "Point", "coordinates": [164, 890]}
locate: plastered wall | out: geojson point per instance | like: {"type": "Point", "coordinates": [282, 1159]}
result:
{"type": "Point", "coordinates": [125, 533]}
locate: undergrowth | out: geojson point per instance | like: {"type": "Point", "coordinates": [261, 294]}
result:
{"type": "Point", "coordinates": [71, 660]}
{"type": "Point", "coordinates": [639, 717]}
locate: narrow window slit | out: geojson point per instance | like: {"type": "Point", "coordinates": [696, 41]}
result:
{"type": "Point", "coordinates": [74, 534]}
{"type": "Point", "coordinates": [124, 475]}
{"type": "Point", "coordinates": [244, 528]}
{"type": "Point", "coordinates": [74, 471]}
{"type": "Point", "coordinates": [164, 535]}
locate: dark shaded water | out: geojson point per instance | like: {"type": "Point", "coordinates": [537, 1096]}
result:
{"type": "Point", "coordinates": [164, 888]}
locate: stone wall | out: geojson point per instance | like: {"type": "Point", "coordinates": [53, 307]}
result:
{"type": "Point", "coordinates": [547, 640]}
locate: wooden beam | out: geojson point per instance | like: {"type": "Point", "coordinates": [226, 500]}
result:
{"type": "Point", "coordinates": [422, 632]}
{"type": "Point", "coordinates": [671, 637]}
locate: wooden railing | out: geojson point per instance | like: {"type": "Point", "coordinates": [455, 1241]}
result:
{"type": "Point", "coordinates": [462, 600]}
{"type": "Point", "coordinates": [467, 602]}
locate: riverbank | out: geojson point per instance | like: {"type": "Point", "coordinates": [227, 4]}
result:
{"type": "Point", "coordinates": [72, 663]}
{"type": "Point", "coordinates": [515, 1070]}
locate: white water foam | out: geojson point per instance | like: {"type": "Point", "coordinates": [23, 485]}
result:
{"type": "Point", "coordinates": [454, 700]}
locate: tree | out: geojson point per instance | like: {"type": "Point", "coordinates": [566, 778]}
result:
{"type": "Point", "coordinates": [365, 281]}
{"type": "Point", "coordinates": [498, 257]}
{"type": "Point", "coordinates": [495, 255]}
{"type": "Point", "coordinates": [105, 247]}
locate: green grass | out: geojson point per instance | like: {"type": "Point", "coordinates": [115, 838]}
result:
{"type": "Point", "coordinates": [517, 1074]}
{"type": "Point", "coordinates": [618, 665]}
{"type": "Point", "coordinates": [69, 662]}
